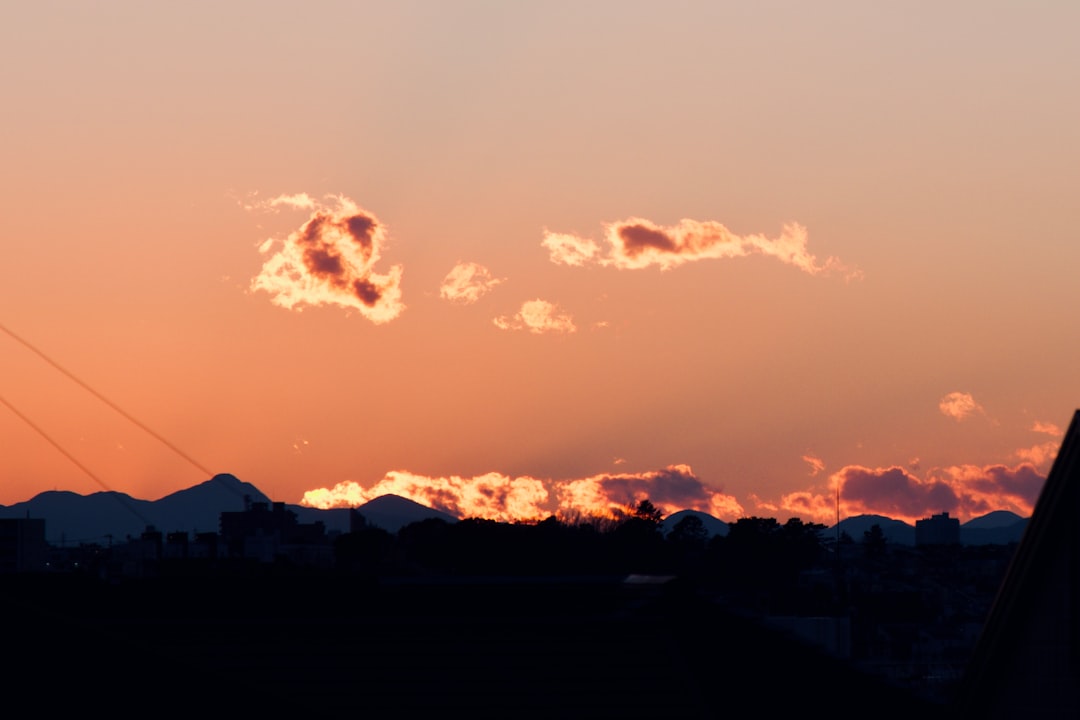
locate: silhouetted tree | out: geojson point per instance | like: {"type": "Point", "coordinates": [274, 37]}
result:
{"type": "Point", "coordinates": [645, 510]}
{"type": "Point", "coordinates": [874, 542]}
{"type": "Point", "coordinates": [366, 549]}
{"type": "Point", "coordinates": [764, 559]}
{"type": "Point", "coordinates": [690, 530]}
{"type": "Point", "coordinates": [636, 542]}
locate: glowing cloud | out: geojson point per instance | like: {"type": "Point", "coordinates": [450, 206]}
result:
{"type": "Point", "coordinates": [466, 283]}
{"type": "Point", "coordinates": [637, 243]}
{"type": "Point", "coordinates": [959, 406]}
{"type": "Point", "coordinates": [671, 489]}
{"type": "Point", "coordinates": [963, 490]}
{"type": "Point", "coordinates": [330, 260]}
{"type": "Point", "coordinates": [537, 316]}
{"type": "Point", "coordinates": [499, 497]}
{"type": "Point", "coordinates": [565, 249]}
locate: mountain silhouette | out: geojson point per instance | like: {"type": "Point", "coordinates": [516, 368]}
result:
{"type": "Point", "coordinates": [999, 527]}
{"type": "Point", "coordinates": [895, 531]}
{"type": "Point", "coordinates": [713, 526]}
{"type": "Point", "coordinates": [393, 512]}
{"type": "Point", "coordinates": [995, 519]}
{"type": "Point", "coordinates": [104, 517]}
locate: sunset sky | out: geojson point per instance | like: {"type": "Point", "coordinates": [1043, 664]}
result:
{"type": "Point", "coordinates": [515, 259]}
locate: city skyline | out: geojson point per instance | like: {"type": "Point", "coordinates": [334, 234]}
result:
{"type": "Point", "coordinates": [532, 259]}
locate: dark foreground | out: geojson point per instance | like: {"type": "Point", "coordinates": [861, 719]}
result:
{"type": "Point", "coordinates": [593, 648]}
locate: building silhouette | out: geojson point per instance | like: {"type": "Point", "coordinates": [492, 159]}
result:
{"type": "Point", "coordinates": [1027, 660]}
{"type": "Point", "coordinates": [937, 529]}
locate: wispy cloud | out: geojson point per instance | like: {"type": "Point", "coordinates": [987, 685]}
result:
{"type": "Point", "coordinates": [330, 260]}
{"type": "Point", "coordinates": [467, 282]}
{"type": "Point", "coordinates": [638, 243]}
{"type": "Point", "coordinates": [500, 497]}
{"type": "Point", "coordinates": [1047, 428]}
{"type": "Point", "coordinates": [959, 406]}
{"type": "Point", "coordinates": [537, 316]}
{"type": "Point", "coordinates": [817, 465]}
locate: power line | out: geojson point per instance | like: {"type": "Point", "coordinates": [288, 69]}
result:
{"type": "Point", "coordinates": [68, 455]}
{"type": "Point", "coordinates": [127, 416]}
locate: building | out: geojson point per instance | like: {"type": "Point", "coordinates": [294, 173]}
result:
{"type": "Point", "coordinates": [937, 530]}
{"type": "Point", "coordinates": [1027, 660]}
{"type": "Point", "coordinates": [268, 533]}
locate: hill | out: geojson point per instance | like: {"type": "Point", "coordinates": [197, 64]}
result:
{"type": "Point", "coordinates": [104, 517]}
{"type": "Point", "coordinates": [712, 525]}
{"type": "Point", "coordinates": [896, 531]}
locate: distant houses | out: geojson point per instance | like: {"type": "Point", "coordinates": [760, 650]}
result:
{"type": "Point", "coordinates": [261, 533]}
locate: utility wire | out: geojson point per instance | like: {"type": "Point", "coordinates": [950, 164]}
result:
{"type": "Point", "coordinates": [70, 457]}
{"type": "Point", "coordinates": [103, 399]}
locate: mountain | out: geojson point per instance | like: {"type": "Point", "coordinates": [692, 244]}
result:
{"type": "Point", "coordinates": [896, 531]}
{"type": "Point", "coordinates": [1000, 527]}
{"type": "Point", "coordinates": [393, 512]}
{"type": "Point", "coordinates": [71, 519]}
{"type": "Point", "coordinates": [996, 519]}
{"type": "Point", "coordinates": [712, 525]}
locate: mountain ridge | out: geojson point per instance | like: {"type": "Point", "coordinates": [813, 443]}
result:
{"type": "Point", "coordinates": [105, 516]}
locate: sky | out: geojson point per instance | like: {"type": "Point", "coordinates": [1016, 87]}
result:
{"type": "Point", "coordinates": [512, 260]}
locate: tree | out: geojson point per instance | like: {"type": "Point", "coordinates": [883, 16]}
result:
{"type": "Point", "coordinates": [645, 510]}
{"type": "Point", "coordinates": [874, 542]}
{"type": "Point", "coordinates": [690, 530]}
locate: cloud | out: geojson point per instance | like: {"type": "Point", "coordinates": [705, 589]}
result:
{"type": "Point", "coordinates": [500, 497]}
{"type": "Point", "coordinates": [467, 282]}
{"type": "Point", "coordinates": [565, 249]}
{"type": "Point", "coordinates": [959, 406]}
{"type": "Point", "coordinates": [671, 489]}
{"type": "Point", "coordinates": [492, 496]}
{"type": "Point", "coordinates": [637, 243]}
{"type": "Point", "coordinates": [330, 260]}
{"type": "Point", "coordinates": [892, 491]}
{"type": "Point", "coordinates": [537, 316]}
{"type": "Point", "coordinates": [1048, 429]}
{"type": "Point", "coordinates": [963, 490]}
{"type": "Point", "coordinates": [983, 488]}
{"type": "Point", "coordinates": [816, 464]}
{"type": "Point", "coordinates": [1039, 455]}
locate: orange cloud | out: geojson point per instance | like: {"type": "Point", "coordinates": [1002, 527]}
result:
{"type": "Point", "coordinates": [816, 464]}
{"type": "Point", "coordinates": [330, 260]}
{"type": "Point", "coordinates": [1047, 429]}
{"type": "Point", "coordinates": [963, 490]}
{"type": "Point", "coordinates": [959, 406]}
{"type": "Point", "coordinates": [492, 496]}
{"type": "Point", "coordinates": [537, 316]}
{"type": "Point", "coordinates": [467, 282]}
{"type": "Point", "coordinates": [1040, 455]}
{"type": "Point", "coordinates": [495, 496]}
{"type": "Point", "coordinates": [637, 243]}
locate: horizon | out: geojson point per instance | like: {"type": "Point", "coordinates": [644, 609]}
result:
{"type": "Point", "coordinates": [612, 512]}
{"type": "Point", "coordinates": [523, 259]}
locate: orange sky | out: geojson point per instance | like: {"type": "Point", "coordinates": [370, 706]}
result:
{"type": "Point", "coordinates": [514, 259]}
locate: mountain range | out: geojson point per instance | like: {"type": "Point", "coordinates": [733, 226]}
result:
{"type": "Point", "coordinates": [103, 517]}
